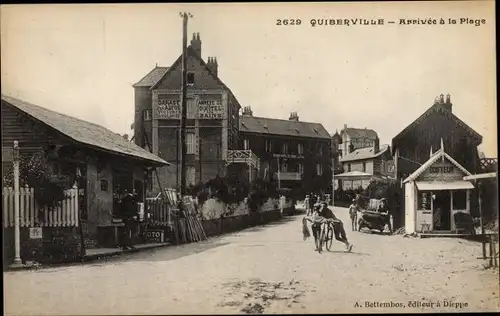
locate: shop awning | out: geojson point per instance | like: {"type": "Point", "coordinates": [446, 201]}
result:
{"type": "Point", "coordinates": [438, 185]}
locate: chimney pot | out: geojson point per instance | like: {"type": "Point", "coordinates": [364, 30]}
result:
{"type": "Point", "coordinates": [448, 98]}
{"type": "Point", "coordinates": [441, 98]}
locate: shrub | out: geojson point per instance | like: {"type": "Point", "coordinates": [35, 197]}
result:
{"type": "Point", "coordinates": [35, 172]}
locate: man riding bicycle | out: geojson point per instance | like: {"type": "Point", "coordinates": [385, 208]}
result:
{"type": "Point", "coordinates": [338, 227]}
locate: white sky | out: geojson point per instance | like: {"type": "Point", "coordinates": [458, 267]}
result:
{"type": "Point", "coordinates": [83, 59]}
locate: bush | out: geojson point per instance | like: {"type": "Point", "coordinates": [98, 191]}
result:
{"type": "Point", "coordinates": [35, 172]}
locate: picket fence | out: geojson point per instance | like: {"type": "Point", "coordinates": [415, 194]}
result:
{"type": "Point", "coordinates": [65, 214]}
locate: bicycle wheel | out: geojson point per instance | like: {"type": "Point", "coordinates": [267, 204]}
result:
{"type": "Point", "coordinates": [329, 237]}
{"type": "Point", "coordinates": [321, 239]}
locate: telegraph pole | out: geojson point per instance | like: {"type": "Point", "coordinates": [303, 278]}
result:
{"type": "Point", "coordinates": [185, 16]}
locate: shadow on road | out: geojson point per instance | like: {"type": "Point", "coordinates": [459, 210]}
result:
{"type": "Point", "coordinates": [336, 252]}
{"type": "Point", "coordinates": [166, 253]}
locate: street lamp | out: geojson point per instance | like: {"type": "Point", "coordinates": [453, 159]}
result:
{"type": "Point", "coordinates": [17, 236]}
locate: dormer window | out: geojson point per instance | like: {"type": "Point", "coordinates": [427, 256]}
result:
{"type": "Point", "coordinates": [190, 78]}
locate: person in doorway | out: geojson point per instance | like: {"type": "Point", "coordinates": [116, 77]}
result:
{"type": "Point", "coordinates": [353, 214]}
{"type": "Point", "coordinates": [338, 225]}
{"type": "Point", "coordinates": [129, 216]}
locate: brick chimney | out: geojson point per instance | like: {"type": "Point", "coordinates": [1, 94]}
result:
{"type": "Point", "coordinates": [376, 145]}
{"type": "Point", "coordinates": [196, 43]}
{"type": "Point", "coordinates": [212, 64]}
{"type": "Point", "coordinates": [247, 111]}
{"type": "Point", "coordinates": [294, 117]}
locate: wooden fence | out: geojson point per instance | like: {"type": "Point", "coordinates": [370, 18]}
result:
{"type": "Point", "coordinates": [65, 214]}
{"type": "Point", "coordinates": [158, 212]}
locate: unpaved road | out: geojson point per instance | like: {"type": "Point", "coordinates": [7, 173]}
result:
{"type": "Point", "coordinates": [267, 269]}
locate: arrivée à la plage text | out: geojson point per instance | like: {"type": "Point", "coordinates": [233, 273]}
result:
{"type": "Point", "coordinates": [380, 21]}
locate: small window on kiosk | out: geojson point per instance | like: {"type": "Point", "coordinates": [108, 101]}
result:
{"type": "Point", "coordinates": [424, 199]}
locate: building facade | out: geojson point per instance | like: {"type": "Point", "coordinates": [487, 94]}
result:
{"type": "Point", "coordinates": [355, 138]}
{"type": "Point", "coordinates": [102, 164]}
{"type": "Point", "coordinates": [364, 165]}
{"type": "Point", "coordinates": [212, 118]}
{"type": "Point", "coordinates": [436, 128]}
{"type": "Point", "coordinates": [294, 154]}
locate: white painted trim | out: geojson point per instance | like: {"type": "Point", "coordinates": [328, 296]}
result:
{"type": "Point", "coordinates": [481, 176]}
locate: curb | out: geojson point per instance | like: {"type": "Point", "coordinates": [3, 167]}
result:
{"type": "Point", "coordinates": [82, 260]}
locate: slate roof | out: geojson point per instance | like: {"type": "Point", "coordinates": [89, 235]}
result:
{"type": "Point", "coordinates": [436, 108]}
{"type": "Point", "coordinates": [360, 133]}
{"type": "Point", "coordinates": [364, 153]}
{"type": "Point", "coordinates": [152, 77]}
{"type": "Point", "coordinates": [264, 125]}
{"type": "Point", "coordinates": [84, 132]}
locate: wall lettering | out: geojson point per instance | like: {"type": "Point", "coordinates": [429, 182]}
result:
{"type": "Point", "coordinates": [168, 106]}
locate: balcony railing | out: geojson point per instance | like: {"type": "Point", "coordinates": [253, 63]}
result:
{"type": "Point", "coordinates": [296, 176]}
{"type": "Point", "coordinates": [283, 155]}
{"type": "Point", "coordinates": [243, 156]}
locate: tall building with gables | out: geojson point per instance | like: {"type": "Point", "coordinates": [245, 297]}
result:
{"type": "Point", "coordinates": [212, 118]}
{"type": "Point", "coordinates": [294, 154]}
{"type": "Point", "coordinates": [437, 131]}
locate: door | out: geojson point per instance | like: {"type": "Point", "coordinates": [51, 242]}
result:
{"type": "Point", "coordinates": [442, 210]}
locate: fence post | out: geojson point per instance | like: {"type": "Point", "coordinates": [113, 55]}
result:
{"type": "Point", "coordinates": [17, 235]}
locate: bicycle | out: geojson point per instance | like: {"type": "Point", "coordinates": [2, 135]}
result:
{"type": "Point", "coordinates": [325, 236]}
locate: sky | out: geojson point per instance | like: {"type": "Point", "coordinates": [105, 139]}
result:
{"type": "Point", "coordinates": [82, 60]}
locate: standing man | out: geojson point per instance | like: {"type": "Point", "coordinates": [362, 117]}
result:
{"type": "Point", "coordinates": [306, 204]}
{"type": "Point", "coordinates": [353, 214]}
{"type": "Point", "coordinates": [129, 214]}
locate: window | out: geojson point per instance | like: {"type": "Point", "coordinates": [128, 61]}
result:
{"type": "Point", "coordinates": [268, 145]}
{"type": "Point", "coordinates": [246, 144]}
{"type": "Point", "coordinates": [190, 78]}
{"type": "Point", "coordinates": [300, 168]}
{"type": "Point", "coordinates": [348, 167]}
{"type": "Point", "coordinates": [460, 200]}
{"type": "Point", "coordinates": [300, 149]}
{"type": "Point", "coordinates": [424, 200]}
{"type": "Point", "coordinates": [284, 148]}
{"type": "Point", "coordinates": [146, 115]}
{"type": "Point", "coordinates": [191, 143]}
{"type": "Point", "coordinates": [319, 169]}
{"type": "Point", "coordinates": [364, 166]}
{"type": "Point", "coordinates": [284, 167]}
{"type": "Point", "coordinates": [104, 185]}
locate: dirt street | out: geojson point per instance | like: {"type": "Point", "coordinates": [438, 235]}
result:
{"type": "Point", "coordinates": [267, 269]}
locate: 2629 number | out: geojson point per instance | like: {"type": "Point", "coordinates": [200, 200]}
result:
{"type": "Point", "coordinates": [288, 22]}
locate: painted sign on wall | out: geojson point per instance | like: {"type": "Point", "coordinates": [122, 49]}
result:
{"type": "Point", "coordinates": [440, 170]}
{"type": "Point", "coordinates": [168, 106]}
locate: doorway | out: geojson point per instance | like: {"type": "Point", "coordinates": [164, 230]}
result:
{"type": "Point", "coordinates": [442, 210]}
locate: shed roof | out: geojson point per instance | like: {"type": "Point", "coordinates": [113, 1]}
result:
{"type": "Point", "coordinates": [360, 133]}
{"type": "Point", "coordinates": [264, 125]}
{"type": "Point", "coordinates": [83, 132]}
{"type": "Point", "coordinates": [364, 153]}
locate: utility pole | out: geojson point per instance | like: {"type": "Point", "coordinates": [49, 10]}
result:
{"type": "Point", "coordinates": [333, 181]}
{"type": "Point", "coordinates": [185, 16]}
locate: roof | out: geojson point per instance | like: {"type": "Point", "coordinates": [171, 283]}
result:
{"type": "Point", "coordinates": [190, 52]}
{"type": "Point", "coordinates": [364, 153]}
{"type": "Point", "coordinates": [448, 185]}
{"type": "Point", "coordinates": [436, 108]}
{"type": "Point", "coordinates": [360, 133]}
{"type": "Point", "coordinates": [152, 77]}
{"type": "Point", "coordinates": [264, 125]}
{"type": "Point", "coordinates": [84, 132]}
{"type": "Point", "coordinates": [352, 174]}
{"type": "Point", "coordinates": [435, 157]}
